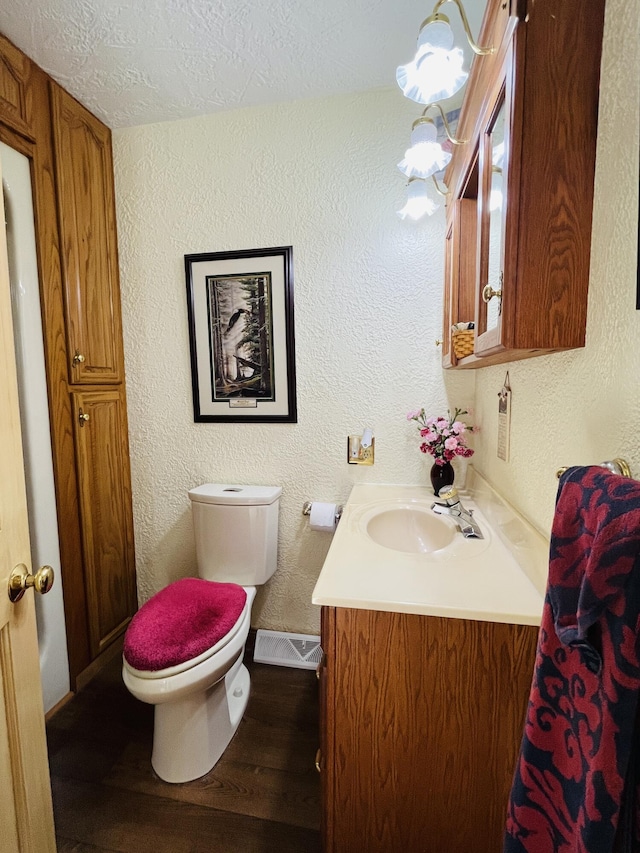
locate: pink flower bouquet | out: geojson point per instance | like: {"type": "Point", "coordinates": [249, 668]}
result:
{"type": "Point", "coordinates": [443, 438]}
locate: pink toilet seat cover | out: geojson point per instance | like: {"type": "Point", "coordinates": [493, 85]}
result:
{"type": "Point", "coordinates": [182, 621]}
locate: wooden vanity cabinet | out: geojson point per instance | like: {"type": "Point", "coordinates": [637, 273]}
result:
{"type": "Point", "coordinates": [530, 116]}
{"type": "Point", "coordinates": [421, 721]}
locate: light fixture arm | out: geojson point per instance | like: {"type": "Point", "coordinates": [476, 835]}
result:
{"type": "Point", "coordinates": [447, 129]}
{"type": "Point", "coordinates": [444, 192]}
{"type": "Point", "coordinates": [481, 51]}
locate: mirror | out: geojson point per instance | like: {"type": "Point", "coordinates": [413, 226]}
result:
{"type": "Point", "coordinates": [496, 210]}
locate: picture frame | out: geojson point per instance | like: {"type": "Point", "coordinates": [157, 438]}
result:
{"type": "Point", "coordinates": [241, 335]}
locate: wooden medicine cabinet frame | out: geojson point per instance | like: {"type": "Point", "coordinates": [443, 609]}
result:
{"type": "Point", "coordinates": [545, 69]}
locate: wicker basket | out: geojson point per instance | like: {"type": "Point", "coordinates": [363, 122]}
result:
{"type": "Point", "coordinates": [462, 342]}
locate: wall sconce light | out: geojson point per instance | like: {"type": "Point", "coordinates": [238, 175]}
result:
{"type": "Point", "coordinates": [426, 156]}
{"type": "Point", "coordinates": [436, 71]}
{"type": "Point", "coordinates": [418, 202]}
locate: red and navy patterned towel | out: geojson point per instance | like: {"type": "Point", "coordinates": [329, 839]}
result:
{"type": "Point", "coordinates": [576, 779]}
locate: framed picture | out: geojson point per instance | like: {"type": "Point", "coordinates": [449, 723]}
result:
{"type": "Point", "coordinates": [240, 307]}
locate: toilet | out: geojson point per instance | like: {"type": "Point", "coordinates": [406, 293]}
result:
{"type": "Point", "coordinates": [183, 650]}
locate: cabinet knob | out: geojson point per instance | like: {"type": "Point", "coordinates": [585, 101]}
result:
{"type": "Point", "coordinates": [78, 358]}
{"type": "Point", "coordinates": [83, 417]}
{"type": "Point", "coordinates": [488, 293]}
{"type": "Point", "coordinates": [438, 342]}
{"type": "Point", "coordinates": [318, 761]}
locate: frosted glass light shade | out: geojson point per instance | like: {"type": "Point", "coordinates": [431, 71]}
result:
{"type": "Point", "coordinates": [418, 202]}
{"type": "Point", "coordinates": [435, 74]}
{"type": "Point", "coordinates": [425, 156]}
{"type": "Point", "coordinates": [436, 32]}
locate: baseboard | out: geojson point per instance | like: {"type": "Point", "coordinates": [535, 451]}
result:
{"type": "Point", "coordinates": [58, 707]}
{"type": "Point", "coordinates": [99, 663]}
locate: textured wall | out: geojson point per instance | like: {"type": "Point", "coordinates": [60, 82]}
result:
{"type": "Point", "coordinates": [583, 407]}
{"type": "Point", "coordinates": [318, 175]}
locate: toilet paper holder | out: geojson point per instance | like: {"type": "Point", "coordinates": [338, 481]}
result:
{"type": "Point", "coordinates": [306, 510]}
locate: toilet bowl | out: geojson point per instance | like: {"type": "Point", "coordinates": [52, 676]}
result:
{"type": "Point", "coordinates": [183, 650]}
{"type": "Point", "coordinates": [199, 702]}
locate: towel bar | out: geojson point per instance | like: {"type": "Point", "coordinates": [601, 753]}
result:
{"type": "Point", "coordinates": [616, 466]}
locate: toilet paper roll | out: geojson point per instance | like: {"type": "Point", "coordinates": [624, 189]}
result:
{"type": "Point", "coordinates": [323, 517]}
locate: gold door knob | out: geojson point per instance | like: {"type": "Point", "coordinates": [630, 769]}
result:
{"type": "Point", "coordinates": [78, 359]}
{"type": "Point", "coordinates": [488, 293]}
{"type": "Point", "coordinates": [20, 580]}
{"type": "Point", "coordinates": [83, 417]}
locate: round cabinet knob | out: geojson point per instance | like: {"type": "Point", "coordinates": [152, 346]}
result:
{"type": "Point", "coordinates": [83, 417]}
{"type": "Point", "coordinates": [78, 359]}
{"type": "Point", "coordinates": [20, 580]}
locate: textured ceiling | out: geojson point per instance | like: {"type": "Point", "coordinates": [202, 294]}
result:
{"type": "Point", "coordinates": [144, 61]}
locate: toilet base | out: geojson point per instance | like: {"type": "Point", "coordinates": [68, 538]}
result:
{"type": "Point", "coordinates": [191, 734]}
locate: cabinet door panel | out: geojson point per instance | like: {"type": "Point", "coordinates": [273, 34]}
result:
{"type": "Point", "coordinates": [327, 725]}
{"type": "Point", "coordinates": [15, 69]}
{"type": "Point", "coordinates": [88, 235]}
{"type": "Point", "coordinates": [449, 285]}
{"type": "Point", "coordinates": [105, 507]}
{"type": "Point", "coordinates": [460, 271]}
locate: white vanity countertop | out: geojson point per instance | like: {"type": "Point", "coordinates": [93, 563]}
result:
{"type": "Point", "coordinates": [486, 580]}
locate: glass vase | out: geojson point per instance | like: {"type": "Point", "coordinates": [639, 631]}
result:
{"type": "Point", "coordinates": [441, 476]}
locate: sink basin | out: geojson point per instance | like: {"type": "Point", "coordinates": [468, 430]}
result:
{"type": "Point", "coordinates": [412, 529]}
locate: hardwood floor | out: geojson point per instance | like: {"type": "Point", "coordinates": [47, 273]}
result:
{"type": "Point", "coordinates": [263, 795]}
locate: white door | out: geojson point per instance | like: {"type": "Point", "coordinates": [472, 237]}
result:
{"type": "Point", "coordinates": [26, 816]}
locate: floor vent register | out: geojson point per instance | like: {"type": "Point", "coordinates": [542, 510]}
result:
{"type": "Point", "coordinates": [302, 651]}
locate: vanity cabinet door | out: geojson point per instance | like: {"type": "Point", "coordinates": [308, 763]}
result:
{"type": "Point", "coordinates": [422, 714]}
{"type": "Point", "coordinates": [326, 672]}
{"type": "Point", "coordinates": [89, 255]}
{"type": "Point", "coordinates": [102, 459]}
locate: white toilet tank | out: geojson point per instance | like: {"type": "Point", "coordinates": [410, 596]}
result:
{"type": "Point", "coordinates": [236, 532]}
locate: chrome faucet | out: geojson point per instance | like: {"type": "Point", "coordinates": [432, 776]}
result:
{"type": "Point", "coordinates": [448, 503]}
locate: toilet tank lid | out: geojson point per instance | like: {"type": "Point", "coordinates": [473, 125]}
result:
{"type": "Point", "coordinates": [235, 495]}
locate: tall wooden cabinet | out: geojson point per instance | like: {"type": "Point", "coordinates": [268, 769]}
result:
{"type": "Point", "coordinates": [95, 365]}
{"type": "Point", "coordinates": [529, 120]}
{"type": "Point", "coordinates": [72, 178]}
{"type": "Point", "coordinates": [422, 719]}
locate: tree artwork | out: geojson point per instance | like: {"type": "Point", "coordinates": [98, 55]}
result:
{"type": "Point", "coordinates": [240, 336]}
